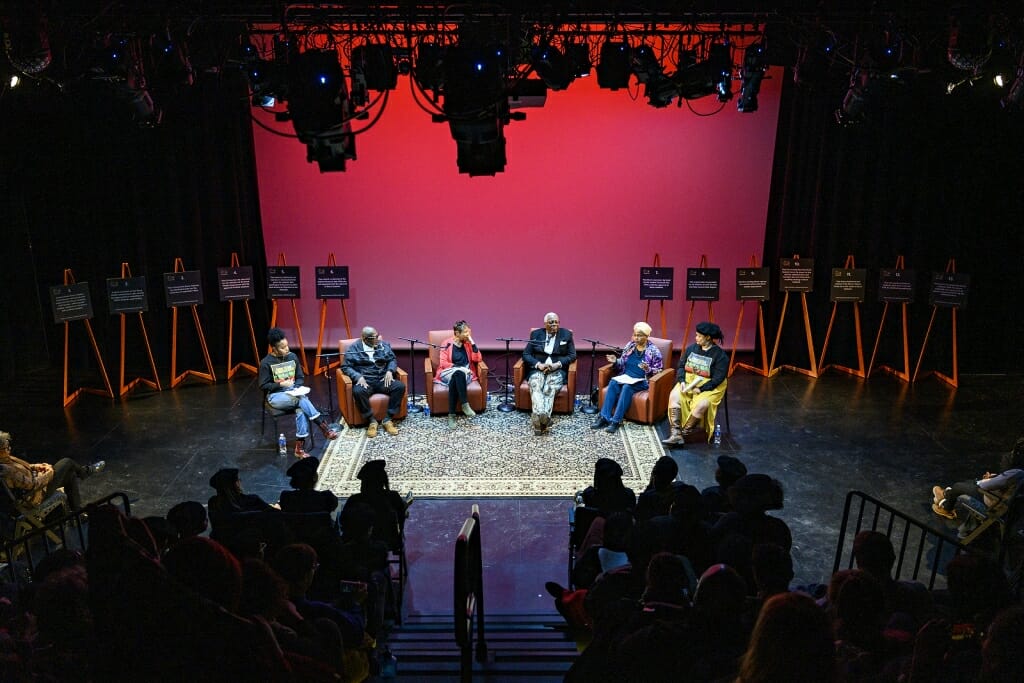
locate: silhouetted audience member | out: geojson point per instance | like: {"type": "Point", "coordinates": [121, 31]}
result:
{"type": "Point", "coordinates": [874, 554]}
{"type": "Point", "coordinates": [612, 553]}
{"type": "Point", "coordinates": [863, 651]}
{"type": "Point", "coordinates": [719, 625]}
{"type": "Point", "coordinates": [188, 519]}
{"type": "Point", "coordinates": [161, 531]}
{"type": "Point", "coordinates": [362, 558]}
{"type": "Point", "coordinates": [681, 532]}
{"type": "Point", "coordinates": [791, 641]}
{"type": "Point", "coordinates": [716, 498]}
{"type": "Point", "coordinates": [773, 570]}
{"type": "Point", "coordinates": [387, 505]}
{"type": "Point", "coordinates": [736, 533]}
{"type": "Point", "coordinates": [608, 494]}
{"type": "Point", "coordinates": [1002, 648]}
{"type": "Point", "coordinates": [304, 497]}
{"type": "Point", "coordinates": [208, 568]}
{"type": "Point", "coordinates": [65, 635]}
{"type": "Point", "coordinates": [657, 498]}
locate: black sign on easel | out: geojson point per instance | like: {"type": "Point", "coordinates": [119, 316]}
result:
{"type": "Point", "coordinates": [184, 288]}
{"type": "Point", "coordinates": [235, 283]}
{"type": "Point", "coordinates": [656, 283]}
{"type": "Point", "coordinates": [796, 275]}
{"type": "Point", "coordinates": [895, 286]}
{"type": "Point", "coordinates": [848, 284]}
{"type": "Point", "coordinates": [283, 282]}
{"type": "Point", "coordinates": [949, 290]}
{"type": "Point", "coordinates": [752, 284]}
{"type": "Point", "coordinates": [703, 284]}
{"type": "Point", "coordinates": [332, 282]}
{"type": "Point", "coordinates": [127, 295]}
{"type": "Point", "coordinates": [71, 302]}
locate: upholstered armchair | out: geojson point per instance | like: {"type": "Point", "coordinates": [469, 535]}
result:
{"type": "Point", "coordinates": [648, 406]}
{"type": "Point", "coordinates": [378, 402]}
{"type": "Point", "coordinates": [437, 394]}
{"type": "Point", "coordinates": [564, 399]}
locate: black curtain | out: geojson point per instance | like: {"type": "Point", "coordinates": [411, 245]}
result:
{"type": "Point", "coordinates": [85, 188]}
{"type": "Point", "coordinates": [928, 176]}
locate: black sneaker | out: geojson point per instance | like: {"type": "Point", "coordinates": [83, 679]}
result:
{"type": "Point", "coordinates": [599, 422]}
{"type": "Point", "coordinates": [95, 468]}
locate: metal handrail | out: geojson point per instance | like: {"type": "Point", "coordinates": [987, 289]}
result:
{"type": "Point", "coordinates": [469, 595]}
{"type": "Point", "coordinates": [920, 549]}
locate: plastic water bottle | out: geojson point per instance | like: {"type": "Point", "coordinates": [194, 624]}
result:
{"type": "Point", "coordinates": [426, 410]}
{"type": "Point", "coordinates": [282, 445]}
{"type": "Point", "coordinates": [718, 435]}
{"type": "Point", "coordinates": [576, 404]}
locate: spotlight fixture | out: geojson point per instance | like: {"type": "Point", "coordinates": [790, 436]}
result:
{"type": "Point", "coordinates": [578, 55]}
{"type": "Point", "coordinates": [658, 88]}
{"type": "Point", "coordinates": [970, 39]}
{"type": "Point", "coordinates": [814, 59]}
{"type": "Point", "coordinates": [553, 67]}
{"type": "Point", "coordinates": [476, 107]}
{"type": "Point", "coordinates": [613, 69]}
{"type": "Point", "coordinates": [373, 68]}
{"type": "Point", "coordinates": [26, 42]}
{"type": "Point", "coordinates": [170, 60]}
{"type": "Point", "coordinates": [853, 109]}
{"type": "Point", "coordinates": [426, 68]}
{"type": "Point", "coordinates": [1014, 98]}
{"type": "Point", "coordinates": [751, 74]}
{"type": "Point", "coordinates": [266, 82]}
{"type": "Point", "coordinates": [720, 65]}
{"type": "Point", "coordinates": [318, 104]}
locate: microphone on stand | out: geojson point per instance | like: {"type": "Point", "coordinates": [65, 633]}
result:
{"type": "Point", "coordinates": [505, 405]}
{"type": "Point", "coordinates": [591, 408]}
{"type": "Point", "coordinates": [413, 406]}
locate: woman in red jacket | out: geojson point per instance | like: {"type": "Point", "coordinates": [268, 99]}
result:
{"type": "Point", "coordinates": [457, 368]}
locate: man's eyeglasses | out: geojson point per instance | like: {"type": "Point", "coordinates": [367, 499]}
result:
{"type": "Point", "coordinates": [371, 337]}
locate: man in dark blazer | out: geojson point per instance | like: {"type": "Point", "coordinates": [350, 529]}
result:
{"type": "Point", "coordinates": [547, 357]}
{"type": "Point", "coordinates": [372, 366]}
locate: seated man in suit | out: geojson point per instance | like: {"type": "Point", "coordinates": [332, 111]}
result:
{"type": "Point", "coordinates": [548, 355]}
{"type": "Point", "coordinates": [372, 366]}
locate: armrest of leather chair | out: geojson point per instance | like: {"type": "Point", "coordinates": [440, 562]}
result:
{"type": "Point", "coordinates": [346, 403]}
{"type": "Point", "coordinates": [661, 386]}
{"type": "Point", "coordinates": [428, 378]}
{"type": "Point", "coordinates": [604, 375]}
{"type": "Point", "coordinates": [403, 375]}
{"type": "Point", "coordinates": [481, 372]}
{"type": "Point", "coordinates": [517, 373]}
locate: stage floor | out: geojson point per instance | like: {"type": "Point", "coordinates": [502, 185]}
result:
{"type": "Point", "coordinates": [821, 438]}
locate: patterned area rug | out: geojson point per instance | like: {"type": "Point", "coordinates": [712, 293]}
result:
{"type": "Point", "coordinates": [494, 454]}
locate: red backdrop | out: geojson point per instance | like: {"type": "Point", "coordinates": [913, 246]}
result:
{"type": "Point", "coordinates": [597, 183]}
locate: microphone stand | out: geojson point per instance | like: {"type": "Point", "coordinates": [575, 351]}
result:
{"type": "Point", "coordinates": [414, 407]}
{"type": "Point", "coordinates": [591, 408]}
{"type": "Point", "coordinates": [505, 405]}
{"type": "Point", "coordinates": [327, 376]}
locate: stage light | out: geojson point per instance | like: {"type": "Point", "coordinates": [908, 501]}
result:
{"type": "Point", "coordinates": [476, 107]}
{"type": "Point", "coordinates": [1014, 98]}
{"type": "Point", "coordinates": [970, 39]}
{"type": "Point", "coordinates": [373, 68]}
{"type": "Point", "coordinates": [814, 59]}
{"type": "Point", "coordinates": [720, 65]}
{"type": "Point", "coordinates": [318, 104]}
{"type": "Point", "coordinates": [552, 66]}
{"type": "Point", "coordinates": [658, 88]}
{"type": "Point", "coordinates": [15, 81]}
{"type": "Point", "coordinates": [853, 109]}
{"type": "Point", "coordinates": [613, 69]}
{"type": "Point", "coordinates": [171, 60]}
{"type": "Point", "coordinates": [578, 55]}
{"type": "Point", "coordinates": [26, 42]}
{"type": "Point", "coordinates": [266, 82]}
{"type": "Point", "coordinates": [427, 68]}
{"type": "Point", "coordinates": [751, 74]}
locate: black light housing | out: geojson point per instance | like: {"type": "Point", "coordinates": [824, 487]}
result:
{"type": "Point", "coordinates": [751, 76]}
{"type": "Point", "coordinates": [318, 104]}
{"type": "Point", "coordinates": [613, 69]}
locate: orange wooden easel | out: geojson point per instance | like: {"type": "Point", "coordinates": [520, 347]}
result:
{"type": "Point", "coordinates": [859, 370]}
{"type": "Point", "coordinates": [323, 322]}
{"type": "Point", "coordinates": [282, 261]}
{"type": "Point", "coordinates": [69, 279]}
{"type": "Point", "coordinates": [812, 361]}
{"type": "Point", "coordinates": [954, 379]}
{"type": "Point", "coordinates": [253, 367]}
{"type": "Point", "coordinates": [126, 272]}
{"type": "Point", "coordinates": [661, 305]}
{"type": "Point", "coordinates": [176, 379]}
{"type": "Point", "coordinates": [689, 316]}
{"type": "Point", "coordinates": [733, 365]}
{"type": "Point", "coordinates": [903, 374]}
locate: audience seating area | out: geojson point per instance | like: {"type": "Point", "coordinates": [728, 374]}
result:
{"type": "Point", "coordinates": [674, 584]}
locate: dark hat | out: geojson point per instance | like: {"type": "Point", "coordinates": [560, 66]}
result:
{"type": "Point", "coordinates": [731, 467]}
{"type": "Point", "coordinates": [224, 478]}
{"type": "Point", "coordinates": [665, 467]}
{"type": "Point", "coordinates": [710, 330]}
{"type": "Point", "coordinates": [372, 470]}
{"type": "Point", "coordinates": [687, 501]}
{"type": "Point", "coordinates": [303, 467]}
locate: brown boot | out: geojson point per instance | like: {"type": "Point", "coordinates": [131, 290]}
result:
{"type": "Point", "coordinates": [675, 438]}
{"type": "Point", "coordinates": [691, 425]}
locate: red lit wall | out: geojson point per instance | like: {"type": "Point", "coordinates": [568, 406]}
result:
{"type": "Point", "coordinates": [597, 183]}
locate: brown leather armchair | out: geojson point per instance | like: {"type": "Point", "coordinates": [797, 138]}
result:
{"type": "Point", "coordinates": [648, 406]}
{"type": "Point", "coordinates": [378, 402]}
{"type": "Point", "coordinates": [437, 394]}
{"type": "Point", "coordinates": [564, 399]}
